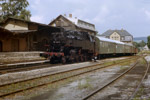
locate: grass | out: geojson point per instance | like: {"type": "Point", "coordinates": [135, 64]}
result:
{"type": "Point", "coordinates": [123, 68]}
{"type": "Point", "coordinates": [83, 84]}
{"type": "Point", "coordinates": [144, 52]}
{"type": "Point", "coordinates": [142, 61]}
{"type": "Point", "coordinates": [139, 94]}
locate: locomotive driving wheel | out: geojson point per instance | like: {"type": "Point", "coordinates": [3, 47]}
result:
{"type": "Point", "coordinates": [63, 60]}
{"type": "Point", "coordinates": [77, 58]}
{"type": "Point", "coordinates": [81, 58]}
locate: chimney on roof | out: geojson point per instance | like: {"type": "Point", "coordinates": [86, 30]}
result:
{"type": "Point", "coordinates": [65, 15]}
{"type": "Point", "coordinates": [75, 17]}
{"type": "Point", "coordinates": [70, 15]}
{"type": "Point", "coordinates": [122, 30]}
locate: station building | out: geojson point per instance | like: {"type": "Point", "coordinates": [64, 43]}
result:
{"type": "Point", "coordinates": [119, 35]}
{"type": "Point", "coordinates": [20, 35]}
{"type": "Point", "coordinates": [73, 23]}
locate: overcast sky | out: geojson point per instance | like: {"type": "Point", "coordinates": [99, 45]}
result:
{"type": "Point", "coordinates": [131, 15]}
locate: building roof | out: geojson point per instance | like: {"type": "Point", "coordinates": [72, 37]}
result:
{"type": "Point", "coordinates": [4, 21]}
{"type": "Point", "coordinates": [146, 47]}
{"type": "Point", "coordinates": [121, 32]}
{"type": "Point", "coordinates": [23, 31]}
{"type": "Point", "coordinates": [2, 30]}
{"type": "Point", "coordinates": [43, 26]}
{"type": "Point", "coordinates": [109, 40]}
{"type": "Point", "coordinates": [76, 21]}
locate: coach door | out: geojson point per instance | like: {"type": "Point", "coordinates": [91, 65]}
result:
{"type": "Point", "coordinates": [15, 45]}
{"type": "Point", "coordinates": [1, 46]}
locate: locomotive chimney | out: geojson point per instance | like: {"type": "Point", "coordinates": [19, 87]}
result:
{"type": "Point", "coordinates": [70, 15]}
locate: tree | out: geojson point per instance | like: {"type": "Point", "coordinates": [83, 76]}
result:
{"type": "Point", "coordinates": [14, 8]}
{"type": "Point", "coordinates": [148, 42]}
{"type": "Point", "coordinates": [136, 44]}
{"type": "Point", "coordinates": [142, 44]}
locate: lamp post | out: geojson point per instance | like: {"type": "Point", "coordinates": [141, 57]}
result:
{"type": "Point", "coordinates": [94, 48]}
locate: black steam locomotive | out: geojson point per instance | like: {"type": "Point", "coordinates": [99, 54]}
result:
{"type": "Point", "coordinates": [70, 46]}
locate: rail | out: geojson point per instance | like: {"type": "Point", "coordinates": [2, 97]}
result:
{"type": "Point", "coordinates": [57, 80]}
{"type": "Point", "coordinates": [133, 95]}
{"type": "Point", "coordinates": [101, 88]}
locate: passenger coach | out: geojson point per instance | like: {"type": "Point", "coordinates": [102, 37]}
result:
{"type": "Point", "coordinates": [107, 47]}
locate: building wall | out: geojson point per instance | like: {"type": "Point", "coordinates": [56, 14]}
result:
{"type": "Point", "coordinates": [84, 30]}
{"type": "Point", "coordinates": [62, 22]}
{"type": "Point", "coordinates": [1, 46]}
{"type": "Point", "coordinates": [32, 27]}
{"type": "Point", "coordinates": [28, 42]}
{"type": "Point", "coordinates": [22, 44]}
{"type": "Point", "coordinates": [16, 25]}
{"type": "Point", "coordinates": [115, 36]}
{"type": "Point", "coordinates": [39, 43]}
{"type": "Point", "coordinates": [128, 38]}
{"type": "Point", "coordinates": [70, 26]}
{"type": "Point", "coordinates": [6, 45]}
{"type": "Point", "coordinates": [14, 44]}
{"type": "Point", "coordinates": [129, 42]}
{"type": "Point", "coordinates": [86, 25]}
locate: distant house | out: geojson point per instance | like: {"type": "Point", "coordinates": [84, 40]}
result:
{"type": "Point", "coordinates": [119, 35]}
{"type": "Point", "coordinates": [145, 47]}
{"type": "Point", "coordinates": [22, 35]}
{"type": "Point", "coordinates": [70, 23]}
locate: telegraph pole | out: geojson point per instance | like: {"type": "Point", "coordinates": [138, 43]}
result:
{"type": "Point", "coordinates": [94, 48]}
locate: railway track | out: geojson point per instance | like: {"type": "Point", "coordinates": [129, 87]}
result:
{"type": "Point", "coordinates": [20, 86]}
{"type": "Point", "coordinates": [138, 87]}
{"type": "Point", "coordinates": [18, 68]}
{"type": "Point", "coordinates": [9, 69]}
{"type": "Point", "coordinates": [93, 93]}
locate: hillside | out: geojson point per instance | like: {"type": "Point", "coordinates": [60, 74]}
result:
{"type": "Point", "coordinates": [139, 39]}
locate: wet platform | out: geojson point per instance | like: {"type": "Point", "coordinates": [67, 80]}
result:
{"type": "Point", "coordinates": [25, 63]}
{"type": "Point", "coordinates": [20, 58]}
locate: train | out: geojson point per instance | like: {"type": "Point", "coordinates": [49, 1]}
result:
{"type": "Point", "coordinates": [76, 46]}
